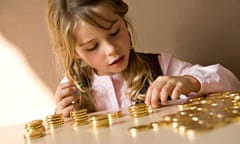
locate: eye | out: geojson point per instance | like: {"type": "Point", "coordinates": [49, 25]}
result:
{"type": "Point", "coordinates": [115, 33]}
{"type": "Point", "coordinates": [93, 48]}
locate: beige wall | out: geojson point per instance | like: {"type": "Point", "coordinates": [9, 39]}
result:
{"type": "Point", "coordinates": [23, 24]}
{"type": "Point", "coordinates": [204, 32]}
{"type": "Point", "coordinates": [27, 70]}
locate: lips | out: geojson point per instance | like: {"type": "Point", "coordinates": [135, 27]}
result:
{"type": "Point", "coordinates": [117, 60]}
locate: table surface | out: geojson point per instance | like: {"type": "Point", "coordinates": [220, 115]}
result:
{"type": "Point", "coordinates": [118, 133]}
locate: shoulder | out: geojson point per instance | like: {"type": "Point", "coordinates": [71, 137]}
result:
{"type": "Point", "coordinates": [161, 56]}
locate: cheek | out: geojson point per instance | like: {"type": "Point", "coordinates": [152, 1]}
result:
{"type": "Point", "coordinates": [125, 38]}
{"type": "Point", "coordinates": [91, 59]}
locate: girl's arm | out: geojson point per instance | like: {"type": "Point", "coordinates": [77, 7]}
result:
{"type": "Point", "coordinates": [212, 78]}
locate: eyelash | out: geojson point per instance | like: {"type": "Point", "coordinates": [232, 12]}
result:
{"type": "Point", "coordinates": [93, 48]}
{"type": "Point", "coordinates": [115, 33]}
{"type": "Point", "coordinates": [96, 45]}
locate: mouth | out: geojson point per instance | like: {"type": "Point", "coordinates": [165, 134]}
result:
{"type": "Point", "coordinates": [116, 61]}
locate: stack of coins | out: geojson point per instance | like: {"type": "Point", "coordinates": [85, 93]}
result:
{"type": "Point", "coordinates": [138, 110]}
{"type": "Point", "coordinates": [34, 129]}
{"type": "Point", "coordinates": [54, 121]}
{"type": "Point", "coordinates": [115, 115]}
{"type": "Point", "coordinates": [99, 121]}
{"type": "Point", "coordinates": [79, 117]}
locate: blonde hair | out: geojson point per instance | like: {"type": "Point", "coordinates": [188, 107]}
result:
{"type": "Point", "coordinates": [63, 15]}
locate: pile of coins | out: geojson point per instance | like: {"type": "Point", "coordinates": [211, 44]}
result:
{"type": "Point", "coordinates": [79, 117]}
{"type": "Point", "coordinates": [203, 114]}
{"type": "Point", "coordinates": [54, 121]}
{"type": "Point", "coordinates": [34, 129]}
{"type": "Point", "coordinates": [138, 110]}
{"type": "Point", "coordinates": [99, 121]}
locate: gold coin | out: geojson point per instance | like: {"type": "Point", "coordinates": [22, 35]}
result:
{"type": "Point", "coordinates": [98, 117]}
{"type": "Point", "coordinates": [114, 115]}
{"type": "Point", "coordinates": [78, 114]}
{"type": "Point", "coordinates": [139, 128]}
{"type": "Point", "coordinates": [139, 112]}
{"type": "Point", "coordinates": [185, 106]}
{"type": "Point", "coordinates": [33, 134]}
{"type": "Point", "coordinates": [42, 128]}
{"type": "Point", "coordinates": [104, 121]}
{"type": "Point", "coordinates": [80, 119]}
{"type": "Point", "coordinates": [205, 101]}
{"type": "Point", "coordinates": [215, 95]}
{"type": "Point", "coordinates": [34, 123]}
{"type": "Point", "coordinates": [55, 121]}
{"type": "Point", "coordinates": [55, 116]}
{"type": "Point", "coordinates": [51, 126]}
{"type": "Point", "coordinates": [161, 123]}
{"type": "Point", "coordinates": [76, 124]}
{"type": "Point", "coordinates": [79, 111]}
{"type": "Point", "coordinates": [193, 126]}
{"type": "Point", "coordinates": [197, 99]}
{"type": "Point", "coordinates": [137, 115]}
{"type": "Point", "coordinates": [26, 137]}
{"type": "Point", "coordinates": [99, 127]}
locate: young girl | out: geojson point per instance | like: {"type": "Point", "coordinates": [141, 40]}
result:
{"type": "Point", "coordinates": [103, 71]}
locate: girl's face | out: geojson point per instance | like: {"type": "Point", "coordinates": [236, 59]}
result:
{"type": "Point", "coordinates": [107, 51]}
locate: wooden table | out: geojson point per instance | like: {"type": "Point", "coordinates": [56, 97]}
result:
{"type": "Point", "coordinates": [118, 133]}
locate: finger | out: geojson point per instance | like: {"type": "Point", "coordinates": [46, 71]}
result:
{"type": "Point", "coordinates": [67, 84]}
{"type": "Point", "coordinates": [65, 93]}
{"type": "Point", "coordinates": [63, 86]}
{"type": "Point", "coordinates": [165, 92]}
{"type": "Point", "coordinates": [154, 92]}
{"type": "Point", "coordinates": [155, 97]}
{"type": "Point", "coordinates": [67, 101]}
{"type": "Point", "coordinates": [148, 96]}
{"type": "Point", "coordinates": [66, 111]}
{"type": "Point", "coordinates": [175, 94]}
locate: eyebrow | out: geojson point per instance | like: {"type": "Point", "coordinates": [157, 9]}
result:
{"type": "Point", "coordinates": [115, 21]}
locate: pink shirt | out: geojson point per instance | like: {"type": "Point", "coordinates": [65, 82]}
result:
{"type": "Point", "coordinates": [110, 91]}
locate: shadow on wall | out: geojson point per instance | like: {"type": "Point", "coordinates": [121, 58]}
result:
{"type": "Point", "coordinates": [24, 97]}
{"type": "Point", "coordinates": [23, 24]}
{"type": "Point", "coordinates": [28, 77]}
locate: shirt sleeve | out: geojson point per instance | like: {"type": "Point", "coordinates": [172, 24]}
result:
{"type": "Point", "coordinates": [213, 78]}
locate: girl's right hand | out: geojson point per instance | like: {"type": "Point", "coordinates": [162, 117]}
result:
{"type": "Point", "coordinates": [67, 97]}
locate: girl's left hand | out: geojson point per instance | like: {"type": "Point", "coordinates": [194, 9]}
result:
{"type": "Point", "coordinates": [173, 86]}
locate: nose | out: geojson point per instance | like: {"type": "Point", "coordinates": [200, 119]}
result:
{"type": "Point", "coordinates": [110, 49]}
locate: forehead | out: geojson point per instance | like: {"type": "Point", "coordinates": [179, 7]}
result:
{"type": "Point", "coordinates": [105, 12]}
{"type": "Point", "coordinates": [99, 16]}
{"type": "Point", "coordinates": [102, 18]}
